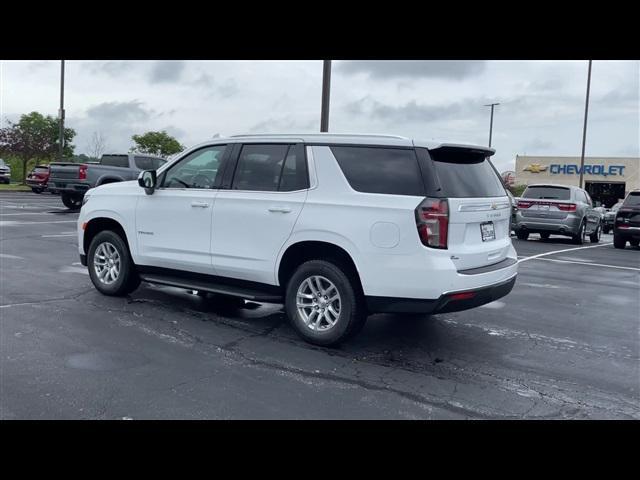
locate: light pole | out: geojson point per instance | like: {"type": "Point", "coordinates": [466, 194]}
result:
{"type": "Point", "coordinates": [584, 128]}
{"type": "Point", "coordinates": [61, 112]}
{"type": "Point", "coordinates": [326, 87]}
{"type": "Point", "coordinates": [492, 105]}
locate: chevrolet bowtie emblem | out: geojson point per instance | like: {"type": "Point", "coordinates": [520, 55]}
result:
{"type": "Point", "coordinates": [535, 168]}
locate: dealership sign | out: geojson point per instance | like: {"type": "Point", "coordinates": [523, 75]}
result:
{"type": "Point", "coordinates": [569, 169]}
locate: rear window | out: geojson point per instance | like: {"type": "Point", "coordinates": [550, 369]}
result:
{"type": "Point", "coordinates": [41, 169]}
{"type": "Point", "coordinates": [115, 160]}
{"type": "Point", "coordinates": [148, 163]}
{"type": "Point", "coordinates": [466, 174]}
{"type": "Point", "coordinates": [632, 199]}
{"type": "Point", "coordinates": [392, 171]}
{"type": "Point", "coordinates": [546, 192]}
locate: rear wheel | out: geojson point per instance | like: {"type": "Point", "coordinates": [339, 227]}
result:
{"type": "Point", "coordinates": [618, 241]}
{"type": "Point", "coordinates": [634, 243]}
{"type": "Point", "coordinates": [72, 201]}
{"type": "Point", "coordinates": [579, 237]}
{"type": "Point", "coordinates": [595, 236]}
{"type": "Point", "coordinates": [544, 236]}
{"type": "Point", "coordinates": [110, 266]}
{"type": "Point", "coordinates": [522, 235]}
{"type": "Point", "coordinates": [324, 303]}
{"type": "Point", "coordinates": [36, 190]}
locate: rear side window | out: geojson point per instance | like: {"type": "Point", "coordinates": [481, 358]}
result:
{"type": "Point", "coordinates": [632, 200]}
{"type": "Point", "coordinates": [547, 192]}
{"type": "Point", "coordinates": [271, 168]}
{"type": "Point", "coordinates": [465, 174]}
{"type": "Point", "coordinates": [115, 160]}
{"type": "Point", "coordinates": [144, 163]}
{"type": "Point", "coordinates": [393, 171]}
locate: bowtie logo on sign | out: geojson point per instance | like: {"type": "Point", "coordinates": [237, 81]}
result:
{"type": "Point", "coordinates": [535, 168]}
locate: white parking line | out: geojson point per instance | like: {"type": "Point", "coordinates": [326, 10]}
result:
{"type": "Point", "coordinates": [25, 213]}
{"type": "Point", "coordinates": [533, 257]}
{"type": "Point", "coordinates": [588, 263]}
{"type": "Point", "coordinates": [13, 223]}
{"type": "Point", "coordinates": [6, 255]}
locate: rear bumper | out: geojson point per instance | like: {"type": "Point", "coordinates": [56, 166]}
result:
{"type": "Point", "coordinates": [68, 186]}
{"type": "Point", "coordinates": [448, 302]}
{"type": "Point", "coordinates": [5, 178]}
{"type": "Point", "coordinates": [565, 226]}
{"type": "Point", "coordinates": [629, 232]}
{"type": "Point", "coordinates": [36, 183]}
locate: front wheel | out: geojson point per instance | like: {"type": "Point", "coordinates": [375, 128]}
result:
{"type": "Point", "coordinates": [71, 201]}
{"type": "Point", "coordinates": [324, 303]}
{"type": "Point", "coordinates": [110, 266]}
{"type": "Point", "coordinates": [522, 235]}
{"type": "Point", "coordinates": [595, 236]}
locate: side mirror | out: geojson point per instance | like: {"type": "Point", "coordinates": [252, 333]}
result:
{"type": "Point", "coordinates": [147, 180]}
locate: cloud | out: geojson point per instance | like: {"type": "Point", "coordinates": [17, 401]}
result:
{"type": "Point", "coordinates": [538, 145]}
{"type": "Point", "coordinates": [386, 69]}
{"type": "Point", "coordinates": [285, 125]}
{"type": "Point", "coordinates": [167, 71]}
{"type": "Point", "coordinates": [110, 68]}
{"type": "Point", "coordinates": [121, 112]}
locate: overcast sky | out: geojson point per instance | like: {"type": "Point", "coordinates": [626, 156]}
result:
{"type": "Point", "coordinates": [540, 113]}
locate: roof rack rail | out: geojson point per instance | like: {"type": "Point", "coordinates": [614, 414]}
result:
{"type": "Point", "coordinates": [319, 135]}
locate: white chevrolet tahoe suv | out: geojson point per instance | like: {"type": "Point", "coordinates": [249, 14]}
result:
{"type": "Point", "coordinates": [336, 227]}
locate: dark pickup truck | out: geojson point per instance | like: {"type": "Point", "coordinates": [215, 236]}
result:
{"type": "Point", "coordinates": [72, 180]}
{"type": "Point", "coordinates": [626, 226]}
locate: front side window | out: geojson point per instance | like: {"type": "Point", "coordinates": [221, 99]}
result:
{"type": "Point", "coordinates": [260, 167]}
{"type": "Point", "coordinates": [199, 169]}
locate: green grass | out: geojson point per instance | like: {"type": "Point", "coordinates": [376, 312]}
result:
{"type": "Point", "coordinates": [14, 187]}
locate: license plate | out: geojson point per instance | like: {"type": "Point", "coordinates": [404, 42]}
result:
{"type": "Point", "coordinates": [488, 231]}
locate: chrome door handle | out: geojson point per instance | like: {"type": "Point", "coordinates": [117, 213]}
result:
{"type": "Point", "coordinates": [200, 204]}
{"type": "Point", "coordinates": [279, 209]}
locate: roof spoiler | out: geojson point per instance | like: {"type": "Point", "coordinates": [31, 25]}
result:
{"type": "Point", "coordinates": [487, 151]}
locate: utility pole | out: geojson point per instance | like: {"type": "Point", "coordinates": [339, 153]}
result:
{"type": "Point", "coordinates": [326, 91]}
{"type": "Point", "coordinates": [492, 105]}
{"type": "Point", "coordinates": [61, 112]}
{"type": "Point", "coordinates": [584, 128]}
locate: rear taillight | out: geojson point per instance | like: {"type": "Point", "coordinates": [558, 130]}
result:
{"type": "Point", "coordinates": [567, 207]}
{"type": "Point", "coordinates": [82, 172]}
{"type": "Point", "coordinates": [522, 204]}
{"type": "Point", "coordinates": [432, 220]}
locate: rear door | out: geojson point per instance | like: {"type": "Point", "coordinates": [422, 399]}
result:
{"type": "Point", "coordinates": [255, 214]}
{"type": "Point", "coordinates": [479, 208]}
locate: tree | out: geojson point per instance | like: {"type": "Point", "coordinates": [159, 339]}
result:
{"type": "Point", "coordinates": [156, 143]}
{"type": "Point", "coordinates": [34, 137]}
{"type": "Point", "coordinates": [97, 145]}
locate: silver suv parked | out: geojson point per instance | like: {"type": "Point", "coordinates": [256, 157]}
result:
{"type": "Point", "coordinates": [559, 210]}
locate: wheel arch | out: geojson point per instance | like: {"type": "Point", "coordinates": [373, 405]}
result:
{"type": "Point", "coordinates": [101, 223]}
{"type": "Point", "coordinates": [108, 179]}
{"type": "Point", "coordinates": [303, 250]}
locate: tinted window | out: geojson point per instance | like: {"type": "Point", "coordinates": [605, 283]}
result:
{"type": "Point", "coordinates": [41, 169]}
{"type": "Point", "coordinates": [632, 199]}
{"type": "Point", "coordinates": [115, 160]}
{"type": "Point", "coordinates": [547, 192]}
{"type": "Point", "coordinates": [144, 163]}
{"type": "Point", "coordinates": [294, 173]}
{"type": "Point", "coordinates": [157, 162]}
{"type": "Point", "coordinates": [259, 167]}
{"type": "Point", "coordinates": [199, 169]}
{"type": "Point", "coordinates": [463, 173]}
{"type": "Point", "coordinates": [393, 171]}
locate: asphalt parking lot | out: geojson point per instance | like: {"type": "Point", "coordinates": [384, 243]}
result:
{"type": "Point", "coordinates": [565, 344]}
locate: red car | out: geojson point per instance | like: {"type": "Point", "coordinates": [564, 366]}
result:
{"type": "Point", "coordinates": [38, 178]}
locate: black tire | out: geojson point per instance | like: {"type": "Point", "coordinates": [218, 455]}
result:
{"type": "Point", "coordinates": [352, 313]}
{"type": "Point", "coordinates": [618, 241]}
{"type": "Point", "coordinates": [522, 235]}
{"type": "Point", "coordinates": [605, 230]}
{"type": "Point", "coordinates": [545, 236]}
{"type": "Point", "coordinates": [71, 201]}
{"type": "Point", "coordinates": [36, 190]}
{"type": "Point", "coordinates": [579, 237]}
{"type": "Point", "coordinates": [595, 236]}
{"type": "Point", "coordinates": [634, 243]}
{"type": "Point", "coordinates": [127, 280]}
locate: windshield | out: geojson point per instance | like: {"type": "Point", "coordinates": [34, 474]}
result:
{"type": "Point", "coordinates": [547, 192]}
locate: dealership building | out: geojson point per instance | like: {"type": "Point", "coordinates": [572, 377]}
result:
{"type": "Point", "coordinates": [607, 179]}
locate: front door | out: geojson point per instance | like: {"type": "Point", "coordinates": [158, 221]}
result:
{"type": "Point", "coordinates": [173, 225]}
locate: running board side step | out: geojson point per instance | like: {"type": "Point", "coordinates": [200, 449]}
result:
{"type": "Point", "coordinates": [247, 293]}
